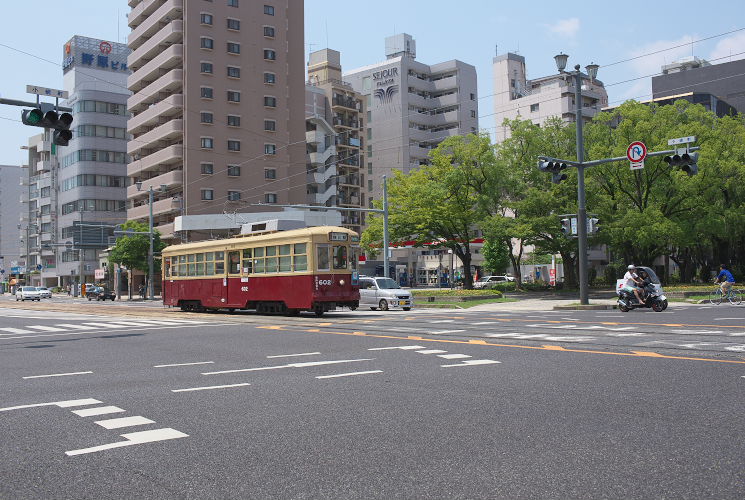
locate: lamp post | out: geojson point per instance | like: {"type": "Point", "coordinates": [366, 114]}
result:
{"type": "Point", "coordinates": [592, 71]}
{"type": "Point", "coordinates": [151, 285]}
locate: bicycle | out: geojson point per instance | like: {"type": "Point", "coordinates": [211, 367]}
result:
{"type": "Point", "coordinates": [734, 296]}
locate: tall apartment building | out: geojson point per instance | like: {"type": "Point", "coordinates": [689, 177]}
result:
{"type": "Point", "coordinates": [541, 98]}
{"type": "Point", "coordinates": [70, 189]}
{"type": "Point", "coordinates": [10, 211]}
{"type": "Point", "coordinates": [335, 116]}
{"type": "Point", "coordinates": [411, 108]}
{"type": "Point", "coordinates": [725, 81]}
{"type": "Point", "coordinates": [217, 108]}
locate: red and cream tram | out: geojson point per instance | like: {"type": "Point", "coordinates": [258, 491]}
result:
{"type": "Point", "coordinates": [310, 269]}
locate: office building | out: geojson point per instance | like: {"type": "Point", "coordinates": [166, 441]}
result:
{"type": "Point", "coordinates": [77, 193]}
{"type": "Point", "coordinates": [725, 81]}
{"type": "Point", "coordinates": [10, 212]}
{"type": "Point", "coordinates": [411, 108]}
{"type": "Point", "coordinates": [217, 111]}
{"type": "Point", "coordinates": [537, 100]}
{"type": "Point", "coordinates": [335, 116]}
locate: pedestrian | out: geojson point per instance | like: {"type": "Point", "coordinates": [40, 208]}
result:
{"type": "Point", "coordinates": [69, 290]}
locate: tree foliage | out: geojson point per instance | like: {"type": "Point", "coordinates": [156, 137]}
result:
{"type": "Point", "coordinates": [132, 251]}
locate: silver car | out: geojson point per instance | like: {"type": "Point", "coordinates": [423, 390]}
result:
{"type": "Point", "coordinates": [44, 292]}
{"type": "Point", "coordinates": [25, 293]}
{"type": "Point", "coordinates": [384, 293]}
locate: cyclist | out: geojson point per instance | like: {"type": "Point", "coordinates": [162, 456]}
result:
{"type": "Point", "coordinates": [726, 279]}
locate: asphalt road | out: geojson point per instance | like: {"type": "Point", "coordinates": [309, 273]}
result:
{"type": "Point", "coordinates": [151, 403]}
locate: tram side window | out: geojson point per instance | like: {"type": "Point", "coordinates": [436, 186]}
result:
{"type": "Point", "coordinates": [271, 259]}
{"type": "Point", "coordinates": [182, 265]}
{"type": "Point", "coordinates": [299, 258]}
{"type": "Point", "coordinates": [209, 263]}
{"type": "Point", "coordinates": [247, 261]}
{"type": "Point", "coordinates": [200, 264]}
{"type": "Point", "coordinates": [285, 258]}
{"type": "Point", "coordinates": [340, 257]}
{"type": "Point", "coordinates": [259, 260]}
{"type": "Point", "coordinates": [219, 262]}
{"type": "Point", "coordinates": [322, 258]}
{"type": "Point", "coordinates": [234, 262]}
{"type": "Point", "coordinates": [167, 267]}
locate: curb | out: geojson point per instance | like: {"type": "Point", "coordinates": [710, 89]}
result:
{"type": "Point", "coordinates": [601, 307]}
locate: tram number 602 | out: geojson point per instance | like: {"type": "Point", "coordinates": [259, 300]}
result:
{"type": "Point", "coordinates": [324, 282]}
{"type": "Point", "coordinates": [244, 289]}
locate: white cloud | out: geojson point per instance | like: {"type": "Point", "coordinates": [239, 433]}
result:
{"type": "Point", "coordinates": [733, 46]}
{"type": "Point", "coordinates": [566, 27]}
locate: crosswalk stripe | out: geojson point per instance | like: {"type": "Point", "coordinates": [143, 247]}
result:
{"type": "Point", "coordinates": [46, 328]}
{"type": "Point", "coordinates": [16, 330]}
{"type": "Point", "coordinates": [76, 327]}
{"type": "Point", "coordinates": [134, 438]}
{"type": "Point", "coordinates": [104, 325]}
{"type": "Point", "coordinates": [118, 423]}
{"type": "Point", "coordinates": [99, 410]}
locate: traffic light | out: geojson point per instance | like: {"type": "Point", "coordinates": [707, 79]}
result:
{"type": "Point", "coordinates": [566, 226]}
{"type": "Point", "coordinates": [592, 225]}
{"type": "Point", "coordinates": [688, 162]}
{"type": "Point", "coordinates": [47, 117]}
{"type": "Point", "coordinates": [555, 168]}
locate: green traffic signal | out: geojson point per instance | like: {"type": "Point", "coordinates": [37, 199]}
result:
{"type": "Point", "coordinates": [32, 116]}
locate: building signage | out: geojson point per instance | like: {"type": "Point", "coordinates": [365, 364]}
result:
{"type": "Point", "coordinates": [385, 80]}
{"type": "Point", "coordinates": [385, 76]}
{"type": "Point", "coordinates": [92, 53]}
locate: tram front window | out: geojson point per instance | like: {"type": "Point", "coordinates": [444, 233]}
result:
{"type": "Point", "coordinates": [340, 257]}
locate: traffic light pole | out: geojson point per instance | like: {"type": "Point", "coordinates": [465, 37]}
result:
{"type": "Point", "coordinates": [581, 208]}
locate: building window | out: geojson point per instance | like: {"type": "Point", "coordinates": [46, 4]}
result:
{"type": "Point", "coordinates": [206, 92]}
{"type": "Point", "coordinates": [234, 170]}
{"type": "Point", "coordinates": [234, 145]}
{"type": "Point", "coordinates": [234, 195]}
{"type": "Point", "coordinates": [234, 72]}
{"type": "Point", "coordinates": [270, 78]}
{"type": "Point", "coordinates": [270, 173]}
{"type": "Point", "coordinates": [270, 125]}
{"type": "Point", "coordinates": [205, 18]}
{"type": "Point", "coordinates": [232, 3]}
{"type": "Point", "coordinates": [234, 24]}
{"type": "Point", "coordinates": [206, 43]}
{"type": "Point", "coordinates": [207, 142]}
{"type": "Point", "coordinates": [207, 168]}
{"type": "Point", "coordinates": [534, 107]}
{"type": "Point", "coordinates": [269, 31]}
{"type": "Point", "coordinates": [234, 48]}
{"type": "Point", "coordinates": [270, 102]}
{"type": "Point", "coordinates": [208, 194]}
{"type": "Point", "coordinates": [369, 185]}
{"type": "Point", "coordinates": [234, 121]}
{"type": "Point", "coordinates": [270, 149]}
{"type": "Point", "coordinates": [234, 96]}
{"type": "Point", "coordinates": [473, 97]}
{"type": "Point", "coordinates": [206, 67]}
{"type": "Point", "coordinates": [369, 168]}
{"type": "Point", "coordinates": [270, 55]}
{"type": "Point", "coordinates": [473, 113]}
{"type": "Point", "coordinates": [270, 198]}
{"type": "Point", "coordinates": [268, 10]}
{"type": "Point", "coordinates": [206, 117]}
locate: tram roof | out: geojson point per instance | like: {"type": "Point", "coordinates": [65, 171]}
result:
{"type": "Point", "coordinates": [302, 233]}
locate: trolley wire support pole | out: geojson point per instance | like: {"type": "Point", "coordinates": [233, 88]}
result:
{"type": "Point", "coordinates": [581, 208]}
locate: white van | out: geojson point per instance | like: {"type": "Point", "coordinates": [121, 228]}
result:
{"type": "Point", "coordinates": [384, 293]}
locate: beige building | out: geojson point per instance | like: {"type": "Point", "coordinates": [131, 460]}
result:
{"type": "Point", "coordinates": [334, 116]}
{"type": "Point", "coordinates": [539, 99]}
{"type": "Point", "coordinates": [217, 111]}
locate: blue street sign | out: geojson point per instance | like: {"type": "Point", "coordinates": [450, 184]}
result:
{"type": "Point", "coordinates": [39, 267]}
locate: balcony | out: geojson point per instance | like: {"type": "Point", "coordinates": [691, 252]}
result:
{"type": "Point", "coordinates": [447, 83]}
{"type": "Point", "coordinates": [346, 102]}
{"type": "Point", "coordinates": [170, 58]}
{"type": "Point", "coordinates": [160, 207]}
{"type": "Point", "coordinates": [44, 166]}
{"type": "Point", "coordinates": [172, 9]}
{"type": "Point", "coordinates": [166, 156]}
{"type": "Point", "coordinates": [171, 33]}
{"type": "Point", "coordinates": [172, 178]}
{"type": "Point", "coordinates": [446, 100]}
{"type": "Point", "coordinates": [320, 157]}
{"type": "Point", "coordinates": [141, 11]}
{"type": "Point", "coordinates": [168, 107]}
{"type": "Point", "coordinates": [419, 135]}
{"type": "Point", "coordinates": [419, 84]}
{"type": "Point", "coordinates": [321, 175]}
{"type": "Point", "coordinates": [169, 131]}
{"type": "Point", "coordinates": [152, 93]}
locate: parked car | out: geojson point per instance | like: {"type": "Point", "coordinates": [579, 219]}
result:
{"type": "Point", "coordinates": [28, 293]}
{"type": "Point", "coordinates": [99, 293]}
{"type": "Point", "coordinates": [491, 281]}
{"type": "Point", "coordinates": [384, 293]}
{"type": "Point", "coordinates": [44, 292]}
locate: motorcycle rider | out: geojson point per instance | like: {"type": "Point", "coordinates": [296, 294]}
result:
{"type": "Point", "coordinates": [633, 282]}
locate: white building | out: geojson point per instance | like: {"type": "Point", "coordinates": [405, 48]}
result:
{"type": "Point", "coordinates": [10, 211]}
{"type": "Point", "coordinates": [539, 99]}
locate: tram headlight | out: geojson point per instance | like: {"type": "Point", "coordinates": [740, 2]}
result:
{"type": "Point", "coordinates": [341, 282]}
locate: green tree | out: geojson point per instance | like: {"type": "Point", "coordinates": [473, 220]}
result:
{"type": "Point", "coordinates": [496, 256]}
{"type": "Point", "coordinates": [132, 251]}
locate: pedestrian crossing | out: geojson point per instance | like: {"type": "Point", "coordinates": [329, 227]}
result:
{"type": "Point", "coordinates": [92, 326]}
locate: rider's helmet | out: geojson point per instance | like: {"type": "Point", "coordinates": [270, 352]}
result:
{"type": "Point", "coordinates": [631, 267]}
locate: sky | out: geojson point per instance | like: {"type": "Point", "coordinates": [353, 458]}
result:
{"type": "Point", "coordinates": [630, 40]}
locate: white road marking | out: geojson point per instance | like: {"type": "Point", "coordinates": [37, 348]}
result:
{"type": "Point", "coordinates": [472, 362]}
{"type": "Point", "coordinates": [134, 438]}
{"type": "Point", "coordinates": [350, 374]}
{"type": "Point", "coordinates": [104, 325]}
{"type": "Point", "coordinates": [637, 334]}
{"type": "Point", "coordinates": [403, 347]}
{"type": "Point", "coordinates": [184, 364]}
{"type": "Point", "coordinates": [736, 334]}
{"type": "Point", "coordinates": [61, 404]}
{"type": "Point", "coordinates": [76, 327]}
{"type": "Point", "coordinates": [99, 410]}
{"type": "Point", "coordinates": [16, 330]}
{"type": "Point", "coordinates": [46, 328]}
{"type": "Point", "coordinates": [130, 323]}
{"type": "Point", "coordinates": [695, 332]}
{"type": "Point", "coordinates": [442, 332]}
{"type": "Point", "coordinates": [485, 323]}
{"type": "Point", "coordinates": [57, 375]}
{"type": "Point", "coordinates": [118, 423]}
{"type": "Point", "coordinates": [736, 348]}
{"type": "Point", "coordinates": [65, 334]}
{"type": "Point", "coordinates": [442, 321]}
{"type": "Point", "coordinates": [291, 365]}
{"type": "Point", "coordinates": [542, 336]}
{"type": "Point", "coordinates": [293, 355]}
{"type": "Point", "coordinates": [453, 356]}
{"type": "Point", "coordinates": [431, 351]}
{"type": "Point", "coordinates": [206, 388]}
{"type": "Point", "coordinates": [716, 319]}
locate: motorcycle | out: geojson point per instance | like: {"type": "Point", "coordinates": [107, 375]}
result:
{"type": "Point", "coordinates": [652, 293]}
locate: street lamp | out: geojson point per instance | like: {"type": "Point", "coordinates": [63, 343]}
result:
{"type": "Point", "coordinates": [592, 72]}
{"type": "Point", "coordinates": [151, 285]}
